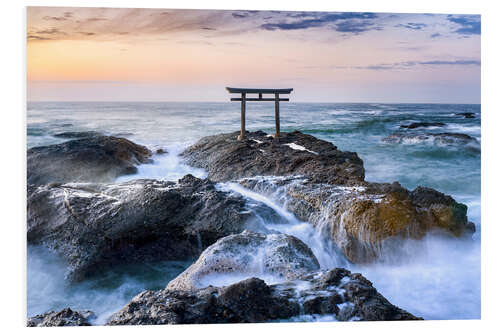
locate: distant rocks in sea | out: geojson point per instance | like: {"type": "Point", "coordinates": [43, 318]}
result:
{"type": "Point", "coordinates": [423, 124]}
{"type": "Point", "coordinates": [78, 135]}
{"type": "Point", "coordinates": [445, 138]}
{"type": "Point", "coordinates": [91, 159]}
{"type": "Point", "coordinates": [65, 317]}
{"type": "Point", "coordinates": [466, 114]}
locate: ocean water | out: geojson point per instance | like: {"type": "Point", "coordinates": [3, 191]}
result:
{"type": "Point", "coordinates": [441, 280]}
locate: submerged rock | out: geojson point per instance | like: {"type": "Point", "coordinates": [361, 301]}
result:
{"type": "Point", "coordinates": [466, 114]}
{"type": "Point", "coordinates": [367, 222]}
{"type": "Point", "coordinates": [96, 225]}
{"type": "Point", "coordinates": [439, 138]}
{"type": "Point", "coordinates": [91, 159]}
{"type": "Point", "coordinates": [65, 317]}
{"type": "Point", "coordinates": [423, 124]}
{"type": "Point", "coordinates": [337, 292]}
{"type": "Point", "coordinates": [249, 253]}
{"type": "Point", "coordinates": [225, 158]}
{"type": "Point", "coordinates": [77, 135]}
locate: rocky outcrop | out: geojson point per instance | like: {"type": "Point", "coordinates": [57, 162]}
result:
{"type": "Point", "coordinates": [458, 139]}
{"type": "Point", "coordinates": [77, 135]}
{"type": "Point", "coordinates": [65, 317]}
{"type": "Point", "coordinates": [251, 254]}
{"type": "Point", "coordinates": [466, 114]}
{"type": "Point", "coordinates": [95, 225]}
{"type": "Point", "coordinates": [226, 158]}
{"type": "Point", "coordinates": [337, 292]}
{"type": "Point", "coordinates": [423, 124]}
{"type": "Point", "coordinates": [91, 159]}
{"type": "Point", "coordinates": [367, 222]}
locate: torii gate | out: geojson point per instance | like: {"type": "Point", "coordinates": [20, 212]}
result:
{"type": "Point", "coordinates": [244, 99]}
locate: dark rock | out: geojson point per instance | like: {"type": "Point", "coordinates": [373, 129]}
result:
{"type": "Point", "coordinates": [369, 221]}
{"type": "Point", "coordinates": [253, 301]}
{"type": "Point", "coordinates": [423, 124]}
{"type": "Point", "coordinates": [161, 151]}
{"type": "Point", "coordinates": [77, 135]}
{"type": "Point", "coordinates": [446, 138]}
{"type": "Point", "coordinates": [281, 255]}
{"type": "Point", "coordinates": [93, 226]}
{"type": "Point", "coordinates": [466, 114]}
{"type": "Point", "coordinates": [65, 317]}
{"type": "Point", "coordinates": [93, 159]}
{"type": "Point", "coordinates": [225, 158]}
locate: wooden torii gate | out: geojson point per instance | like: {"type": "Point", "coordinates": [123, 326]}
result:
{"type": "Point", "coordinates": [244, 99]}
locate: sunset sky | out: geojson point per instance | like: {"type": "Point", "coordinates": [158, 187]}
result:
{"type": "Point", "coordinates": [109, 54]}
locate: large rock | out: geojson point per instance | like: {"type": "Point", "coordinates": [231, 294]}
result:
{"type": "Point", "coordinates": [250, 254]}
{"type": "Point", "coordinates": [337, 293]}
{"type": "Point", "coordinates": [65, 317]}
{"type": "Point", "coordinates": [226, 158]}
{"type": "Point", "coordinates": [94, 225]}
{"type": "Point", "coordinates": [91, 159]}
{"type": "Point", "coordinates": [367, 222]}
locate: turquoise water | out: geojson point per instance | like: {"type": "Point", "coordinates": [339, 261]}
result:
{"type": "Point", "coordinates": [442, 282]}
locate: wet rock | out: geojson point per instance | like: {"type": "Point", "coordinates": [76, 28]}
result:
{"type": "Point", "coordinates": [253, 301]}
{"type": "Point", "coordinates": [93, 226]}
{"type": "Point", "coordinates": [367, 222]}
{"type": "Point", "coordinates": [92, 159]}
{"type": "Point", "coordinates": [161, 151]}
{"type": "Point", "coordinates": [77, 135]}
{"type": "Point", "coordinates": [249, 253]}
{"type": "Point", "coordinates": [65, 317]}
{"type": "Point", "coordinates": [466, 114]}
{"type": "Point", "coordinates": [423, 124]}
{"type": "Point", "coordinates": [225, 158]}
{"type": "Point", "coordinates": [439, 138]}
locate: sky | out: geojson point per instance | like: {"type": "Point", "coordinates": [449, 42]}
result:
{"type": "Point", "coordinates": [113, 54]}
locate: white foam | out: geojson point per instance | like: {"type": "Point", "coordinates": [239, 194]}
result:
{"type": "Point", "coordinates": [299, 147]}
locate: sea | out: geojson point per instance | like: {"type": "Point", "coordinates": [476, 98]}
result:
{"type": "Point", "coordinates": [440, 280]}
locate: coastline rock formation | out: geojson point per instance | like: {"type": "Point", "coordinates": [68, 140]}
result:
{"type": "Point", "coordinates": [90, 159]}
{"type": "Point", "coordinates": [423, 124]}
{"type": "Point", "coordinates": [252, 254]}
{"type": "Point", "coordinates": [225, 158]}
{"type": "Point", "coordinates": [440, 138]}
{"type": "Point", "coordinates": [95, 225]}
{"type": "Point", "coordinates": [367, 222]}
{"type": "Point", "coordinates": [328, 190]}
{"type": "Point", "coordinates": [65, 317]}
{"type": "Point", "coordinates": [337, 293]}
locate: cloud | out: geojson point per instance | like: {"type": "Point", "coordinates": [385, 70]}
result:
{"type": "Point", "coordinates": [409, 64]}
{"type": "Point", "coordinates": [349, 22]}
{"type": "Point", "coordinates": [412, 26]}
{"type": "Point", "coordinates": [51, 31]}
{"type": "Point", "coordinates": [468, 24]}
{"type": "Point", "coordinates": [34, 38]}
{"type": "Point", "coordinates": [435, 35]}
{"type": "Point", "coordinates": [54, 18]}
{"type": "Point", "coordinates": [86, 33]}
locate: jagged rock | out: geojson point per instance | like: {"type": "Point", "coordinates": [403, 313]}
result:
{"type": "Point", "coordinates": [95, 225]}
{"type": "Point", "coordinates": [423, 124]}
{"type": "Point", "coordinates": [252, 301]}
{"type": "Point", "coordinates": [91, 159]}
{"type": "Point", "coordinates": [367, 222]}
{"type": "Point", "coordinates": [226, 158]}
{"type": "Point", "coordinates": [249, 253]}
{"type": "Point", "coordinates": [65, 317]}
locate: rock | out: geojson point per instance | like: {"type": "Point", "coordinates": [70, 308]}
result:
{"type": "Point", "coordinates": [446, 138]}
{"type": "Point", "coordinates": [251, 254]}
{"type": "Point", "coordinates": [92, 159]}
{"type": "Point", "coordinates": [367, 222]}
{"type": "Point", "coordinates": [65, 317]}
{"type": "Point", "coordinates": [225, 158]}
{"type": "Point", "coordinates": [253, 301]}
{"type": "Point", "coordinates": [161, 151]}
{"type": "Point", "coordinates": [77, 135]}
{"type": "Point", "coordinates": [93, 226]}
{"type": "Point", "coordinates": [423, 124]}
{"type": "Point", "coordinates": [466, 114]}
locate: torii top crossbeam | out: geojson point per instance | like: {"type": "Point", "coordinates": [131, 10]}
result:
{"type": "Point", "coordinates": [259, 91]}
